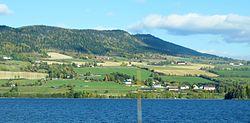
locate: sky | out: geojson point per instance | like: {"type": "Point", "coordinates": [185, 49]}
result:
{"type": "Point", "coordinates": [220, 27]}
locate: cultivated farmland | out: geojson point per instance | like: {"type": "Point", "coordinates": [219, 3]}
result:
{"type": "Point", "coordinates": [182, 70]}
{"type": "Point", "coordinates": [101, 71]}
{"type": "Point", "coordinates": [54, 56]}
{"type": "Point", "coordinates": [18, 75]}
{"type": "Point", "coordinates": [186, 79]}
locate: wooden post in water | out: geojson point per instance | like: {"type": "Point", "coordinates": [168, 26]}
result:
{"type": "Point", "coordinates": [139, 109]}
{"type": "Point", "coordinates": [139, 106]}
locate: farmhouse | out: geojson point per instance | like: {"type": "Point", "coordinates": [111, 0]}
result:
{"type": "Point", "coordinates": [236, 64]}
{"type": "Point", "coordinates": [208, 88]}
{"type": "Point", "coordinates": [158, 86]}
{"type": "Point", "coordinates": [102, 57]}
{"type": "Point", "coordinates": [7, 58]}
{"type": "Point", "coordinates": [173, 88]}
{"type": "Point", "coordinates": [181, 63]}
{"type": "Point", "coordinates": [37, 62]}
{"type": "Point", "coordinates": [195, 87]}
{"type": "Point", "coordinates": [185, 87]}
{"type": "Point", "coordinates": [128, 82]}
{"type": "Point", "coordinates": [13, 85]}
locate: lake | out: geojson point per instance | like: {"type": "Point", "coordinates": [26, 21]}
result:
{"type": "Point", "coordinates": [123, 110]}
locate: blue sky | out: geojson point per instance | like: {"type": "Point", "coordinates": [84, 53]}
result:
{"type": "Point", "coordinates": [220, 27]}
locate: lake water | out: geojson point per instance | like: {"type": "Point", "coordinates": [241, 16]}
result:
{"type": "Point", "coordinates": [123, 110]}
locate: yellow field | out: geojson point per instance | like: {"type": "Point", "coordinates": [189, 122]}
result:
{"type": "Point", "coordinates": [55, 55]}
{"type": "Point", "coordinates": [79, 62]}
{"type": "Point", "coordinates": [181, 70]}
{"type": "Point", "coordinates": [115, 64]}
{"type": "Point", "coordinates": [26, 75]}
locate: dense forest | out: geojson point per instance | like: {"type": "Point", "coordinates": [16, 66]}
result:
{"type": "Point", "coordinates": [106, 42]}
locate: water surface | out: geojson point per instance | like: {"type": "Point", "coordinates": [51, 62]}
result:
{"type": "Point", "coordinates": [123, 110]}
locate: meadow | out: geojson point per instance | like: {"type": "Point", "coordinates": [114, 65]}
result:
{"type": "Point", "coordinates": [186, 80]}
{"type": "Point", "coordinates": [61, 86]}
{"type": "Point", "coordinates": [12, 65]}
{"type": "Point", "coordinates": [232, 80]}
{"type": "Point", "coordinates": [19, 82]}
{"type": "Point", "coordinates": [96, 87]}
{"type": "Point", "coordinates": [233, 73]}
{"type": "Point", "coordinates": [101, 71]}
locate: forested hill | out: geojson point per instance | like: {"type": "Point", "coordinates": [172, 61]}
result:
{"type": "Point", "coordinates": [168, 47]}
{"type": "Point", "coordinates": [36, 38]}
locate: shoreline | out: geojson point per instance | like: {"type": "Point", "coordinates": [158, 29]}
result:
{"type": "Point", "coordinates": [116, 98]}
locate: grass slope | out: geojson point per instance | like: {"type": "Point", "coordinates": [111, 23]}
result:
{"type": "Point", "coordinates": [132, 71]}
{"type": "Point", "coordinates": [185, 79]}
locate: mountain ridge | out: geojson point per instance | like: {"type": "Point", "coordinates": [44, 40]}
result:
{"type": "Point", "coordinates": [101, 42]}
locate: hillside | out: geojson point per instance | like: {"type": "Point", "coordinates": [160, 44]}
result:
{"type": "Point", "coordinates": [39, 37]}
{"type": "Point", "coordinates": [167, 47]}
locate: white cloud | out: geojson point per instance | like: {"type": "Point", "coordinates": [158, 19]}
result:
{"type": "Point", "coordinates": [216, 52]}
{"type": "Point", "coordinates": [232, 27]}
{"type": "Point", "coordinates": [4, 9]}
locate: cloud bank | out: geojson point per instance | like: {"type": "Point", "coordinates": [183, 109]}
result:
{"type": "Point", "coordinates": [233, 28]}
{"type": "Point", "coordinates": [4, 9]}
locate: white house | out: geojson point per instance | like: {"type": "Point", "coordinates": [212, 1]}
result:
{"type": "Point", "coordinates": [13, 85]}
{"type": "Point", "coordinates": [209, 88]}
{"type": "Point", "coordinates": [37, 62]}
{"type": "Point", "coordinates": [157, 86]}
{"type": "Point", "coordinates": [201, 87]}
{"type": "Point", "coordinates": [181, 63]}
{"type": "Point", "coordinates": [128, 82]}
{"type": "Point", "coordinates": [173, 88]}
{"type": "Point", "coordinates": [185, 87]}
{"type": "Point", "coordinates": [241, 64]}
{"type": "Point", "coordinates": [195, 87]}
{"type": "Point", "coordinates": [236, 64]}
{"type": "Point", "coordinates": [7, 58]}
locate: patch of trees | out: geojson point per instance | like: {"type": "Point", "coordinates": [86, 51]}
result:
{"type": "Point", "coordinates": [62, 71]}
{"type": "Point", "coordinates": [116, 77]}
{"type": "Point", "coordinates": [238, 92]}
{"type": "Point", "coordinates": [171, 95]}
{"type": "Point", "coordinates": [90, 64]}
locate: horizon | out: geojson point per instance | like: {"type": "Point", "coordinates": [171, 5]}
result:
{"type": "Point", "coordinates": [222, 30]}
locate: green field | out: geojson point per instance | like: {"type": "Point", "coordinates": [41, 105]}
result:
{"type": "Point", "coordinates": [60, 86]}
{"type": "Point", "coordinates": [234, 79]}
{"type": "Point", "coordinates": [233, 73]}
{"type": "Point", "coordinates": [101, 71]}
{"type": "Point", "coordinates": [184, 79]}
{"type": "Point", "coordinates": [97, 87]}
{"type": "Point", "coordinates": [13, 65]}
{"type": "Point", "coordinates": [2, 81]}
{"type": "Point", "coordinates": [20, 82]}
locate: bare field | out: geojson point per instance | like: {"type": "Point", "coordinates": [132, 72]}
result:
{"type": "Point", "coordinates": [53, 62]}
{"type": "Point", "coordinates": [181, 70]}
{"type": "Point", "coordinates": [25, 75]}
{"type": "Point", "coordinates": [55, 55]}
